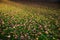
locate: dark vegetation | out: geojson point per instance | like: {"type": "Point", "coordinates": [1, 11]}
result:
{"type": "Point", "coordinates": [38, 0]}
{"type": "Point", "coordinates": [48, 3]}
{"type": "Point", "coordinates": [57, 1]}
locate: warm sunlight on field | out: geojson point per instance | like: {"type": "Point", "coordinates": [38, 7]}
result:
{"type": "Point", "coordinates": [28, 22]}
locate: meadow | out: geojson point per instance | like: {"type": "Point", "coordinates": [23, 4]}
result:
{"type": "Point", "coordinates": [29, 22]}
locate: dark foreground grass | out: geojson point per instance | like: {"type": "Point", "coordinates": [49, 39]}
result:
{"type": "Point", "coordinates": [29, 23]}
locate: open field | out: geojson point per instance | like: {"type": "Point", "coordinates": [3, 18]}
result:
{"type": "Point", "coordinates": [24, 22]}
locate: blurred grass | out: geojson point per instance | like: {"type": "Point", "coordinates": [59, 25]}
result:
{"type": "Point", "coordinates": [29, 23]}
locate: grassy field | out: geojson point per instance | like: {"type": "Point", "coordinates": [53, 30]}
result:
{"type": "Point", "coordinates": [29, 22]}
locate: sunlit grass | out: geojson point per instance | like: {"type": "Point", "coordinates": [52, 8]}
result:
{"type": "Point", "coordinates": [29, 23]}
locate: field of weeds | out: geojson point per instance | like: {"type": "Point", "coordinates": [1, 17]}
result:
{"type": "Point", "coordinates": [29, 23]}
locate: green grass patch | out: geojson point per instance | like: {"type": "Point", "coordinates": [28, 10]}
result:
{"type": "Point", "coordinates": [29, 23]}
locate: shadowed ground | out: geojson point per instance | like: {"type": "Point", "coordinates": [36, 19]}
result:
{"type": "Point", "coordinates": [52, 4]}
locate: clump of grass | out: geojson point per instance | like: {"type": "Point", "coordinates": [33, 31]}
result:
{"type": "Point", "coordinates": [29, 23]}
